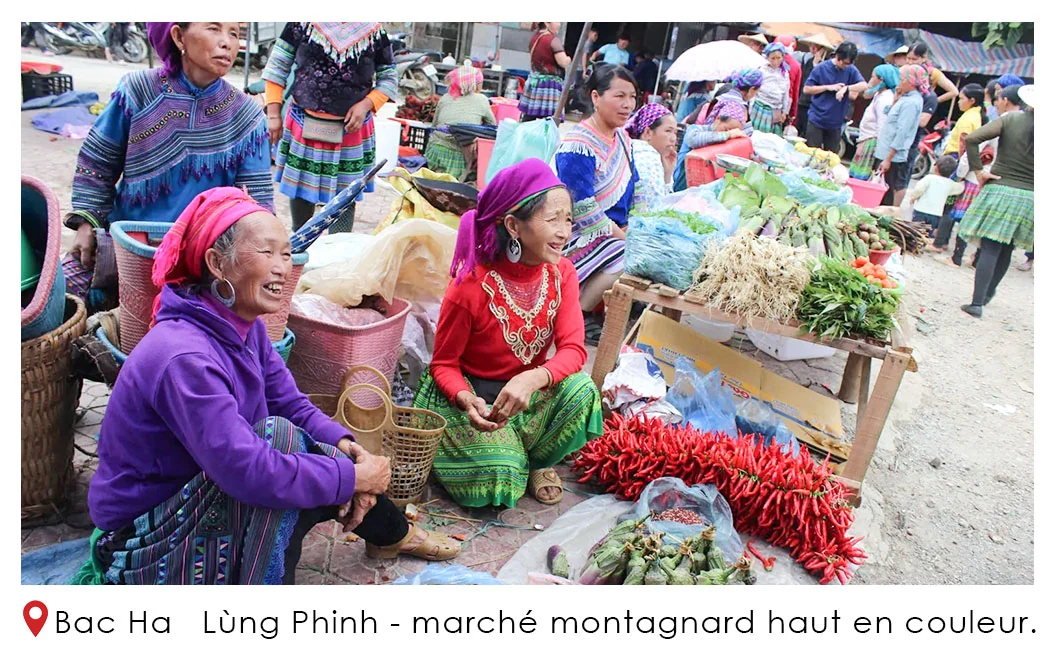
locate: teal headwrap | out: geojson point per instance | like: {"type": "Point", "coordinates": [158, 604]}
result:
{"type": "Point", "coordinates": [889, 76]}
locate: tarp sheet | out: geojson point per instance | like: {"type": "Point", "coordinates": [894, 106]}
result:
{"type": "Point", "coordinates": [798, 30]}
{"type": "Point", "coordinates": [878, 41]}
{"type": "Point", "coordinates": [970, 57]}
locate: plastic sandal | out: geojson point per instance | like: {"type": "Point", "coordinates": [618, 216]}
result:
{"type": "Point", "coordinates": [434, 547]}
{"type": "Point", "coordinates": [542, 478]}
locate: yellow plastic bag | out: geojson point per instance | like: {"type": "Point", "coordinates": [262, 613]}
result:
{"type": "Point", "coordinates": [410, 260]}
{"type": "Point", "coordinates": [411, 204]}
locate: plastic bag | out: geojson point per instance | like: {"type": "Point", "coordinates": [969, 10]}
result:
{"type": "Point", "coordinates": [323, 309]}
{"type": "Point", "coordinates": [410, 203]}
{"type": "Point", "coordinates": [705, 500]}
{"type": "Point", "coordinates": [517, 141]}
{"type": "Point", "coordinates": [410, 260]}
{"type": "Point", "coordinates": [702, 200]}
{"type": "Point", "coordinates": [447, 575]}
{"type": "Point", "coordinates": [755, 417]}
{"type": "Point", "coordinates": [664, 250]}
{"type": "Point", "coordinates": [801, 189]}
{"type": "Point", "coordinates": [635, 378]}
{"type": "Point", "coordinates": [702, 399]}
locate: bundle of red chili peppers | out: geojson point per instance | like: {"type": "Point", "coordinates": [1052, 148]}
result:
{"type": "Point", "coordinates": [791, 501]}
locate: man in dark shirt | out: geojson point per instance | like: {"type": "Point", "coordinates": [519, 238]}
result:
{"type": "Point", "coordinates": [646, 73]}
{"type": "Point", "coordinates": [832, 85]}
{"type": "Point", "coordinates": [928, 108]}
{"type": "Point", "coordinates": [819, 51]}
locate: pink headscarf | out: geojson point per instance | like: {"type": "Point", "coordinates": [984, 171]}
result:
{"type": "Point", "coordinates": [644, 117]}
{"type": "Point", "coordinates": [467, 79]}
{"type": "Point", "coordinates": [918, 76]}
{"type": "Point", "coordinates": [478, 241]}
{"type": "Point", "coordinates": [179, 258]}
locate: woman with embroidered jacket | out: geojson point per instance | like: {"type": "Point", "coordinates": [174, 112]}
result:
{"type": "Point", "coordinates": [596, 163]}
{"type": "Point", "coordinates": [512, 412]}
{"type": "Point", "coordinates": [167, 135]}
{"type": "Point", "coordinates": [345, 73]}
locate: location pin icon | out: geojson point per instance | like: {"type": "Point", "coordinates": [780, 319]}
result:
{"type": "Point", "coordinates": [35, 625]}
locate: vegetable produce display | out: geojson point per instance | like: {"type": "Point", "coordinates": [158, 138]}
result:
{"type": "Point", "coordinates": [697, 223]}
{"type": "Point", "coordinates": [420, 110]}
{"type": "Point", "coordinates": [874, 273]}
{"type": "Point", "coordinates": [758, 277]}
{"type": "Point", "coordinates": [789, 500]}
{"type": "Point", "coordinates": [630, 555]}
{"type": "Point", "coordinates": [910, 236]}
{"type": "Point", "coordinates": [839, 302]}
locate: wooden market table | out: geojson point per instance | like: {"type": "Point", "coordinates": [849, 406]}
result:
{"type": "Point", "coordinates": [871, 408]}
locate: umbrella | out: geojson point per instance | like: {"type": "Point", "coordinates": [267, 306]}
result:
{"type": "Point", "coordinates": [713, 61]}
{"type": "Point", "coordinates": [318, 224]}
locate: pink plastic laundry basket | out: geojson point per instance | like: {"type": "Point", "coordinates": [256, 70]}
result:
{"type": "Point", "coordinates": [324, 352]}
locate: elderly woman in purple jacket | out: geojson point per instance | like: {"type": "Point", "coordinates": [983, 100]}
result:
{"type": "Point", "coordinates": [212, 465]}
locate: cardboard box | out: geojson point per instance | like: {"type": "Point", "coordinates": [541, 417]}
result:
{"type": "Point", "coordinates": [813, 418]}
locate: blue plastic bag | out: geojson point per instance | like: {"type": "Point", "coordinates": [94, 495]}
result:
{"type": "Point", "coordinates": [704, 402]}
{"type": "Point", "coordinates": [705, 500]}
{"type": "Point", "coordinates": [755, 417]}
{"type": "Point", "coordinates": [517, 141]}
{"type": "Point", "coordinates": [663, 250]}
{"type": "Point", "coordinates": [801, 189]}
{"type": "Point", "coordinates": [447, 575]}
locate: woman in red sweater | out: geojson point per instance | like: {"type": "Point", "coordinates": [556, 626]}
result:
{"type": "Point", "coordinates": [512, 412]}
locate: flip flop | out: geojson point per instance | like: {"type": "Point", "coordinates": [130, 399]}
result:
{"type": "Point", "coordinates": [541, 478]}
{"type": "Point", "coordinates": [434, 547]}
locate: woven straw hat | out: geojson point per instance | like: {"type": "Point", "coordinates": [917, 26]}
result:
{"type": "Point", "coordinates": [819, 40]}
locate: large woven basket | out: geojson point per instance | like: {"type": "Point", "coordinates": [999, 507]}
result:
{"type": "Point", "coordinates": [49, 404]}
{"type": "Point", "coordinates": [324, 352]}
{"type": "Point", "coordinates": [135, 244]}
{"type": "Point", "coordinates": [362, 410]}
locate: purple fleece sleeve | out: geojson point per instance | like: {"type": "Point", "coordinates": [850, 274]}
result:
{"type": "Point", "coordinates": [286, 400]}
{"type": "Point", "coordinates": [196, 401]}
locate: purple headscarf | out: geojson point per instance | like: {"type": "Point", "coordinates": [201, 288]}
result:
{"type": "Point", "coordinates": [478, 241]}
{"type": "Point", "coordinates": [160, 36]}
{"type": "Point", "coordinates": [780, 47]}
{"type": "Point", "coordinates": [746, 78]}
{"type": "Point", "coordinates": [644, 117]}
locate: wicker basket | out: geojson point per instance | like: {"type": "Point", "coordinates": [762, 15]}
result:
{"type": "Point", "coordinates": [49, 404]}
{"type": "Point", "coordinates": [409, 438]}
{"type": "Point", "coordinates": [324, 352]}
{"type": "Point", "coordinates": [364, 413]}
{"type": "Point", "coordinates": [136, 291]}
{"type": "Point", "coordinates": [285, 345]}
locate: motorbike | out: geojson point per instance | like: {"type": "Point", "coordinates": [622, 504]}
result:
{"type": "Point", "coordinates": [849, 141]}
{"type": "Point", "coordinates": [92, 38]}
{"type": "Point", "coordinates": [929, 149]}
{"type": "Point", "coordinates": [415, 72]}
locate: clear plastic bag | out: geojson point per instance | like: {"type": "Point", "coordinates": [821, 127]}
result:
{"type": "Point", "coordinates": [320, 308]}
{"type": "Point", "coordinates": [801, 189]}
{"type": "Point", "coordinates": [663, 250]}
{"type": "Point", "coordinates": [447, 575]}
{"type": "Point", "coordinates": [705, 500]}
{"type": "Point", "coordinates": [755, 417]}
{"type": "Point", "coordinates": [702, 399]}
{"type": "Point", "coordinates": [515, 142]}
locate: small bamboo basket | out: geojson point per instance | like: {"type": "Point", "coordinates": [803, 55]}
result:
{"type": "Point", "coordinates": [408, 436]}
{"type": "Point", "coordinates": [49, 405]}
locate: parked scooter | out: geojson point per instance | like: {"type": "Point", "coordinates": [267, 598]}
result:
{"type": "Point", "coordinates": [92, 38]}
{"type": "Point", "coordinates": [929, 149]}
{"type": "Point", "coordinates": [416, 74]}
{"type": "Point", "coordinates": [849, 141]}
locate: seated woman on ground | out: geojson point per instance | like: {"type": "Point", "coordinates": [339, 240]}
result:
{"type": "Point", "coordinates": [212, 465]}
{"type": "Point", "coordinates": [462, 104]}
{"type": "Point", "coordinates": [653, 134]}
{"type": "Point", "coordinates": [512, 413]}
{"type": "Point", "coordinates": [596, 163]}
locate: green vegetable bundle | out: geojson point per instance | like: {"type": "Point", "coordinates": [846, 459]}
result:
{"type": "Point", "coordinates": [626, 555]}
{"type": "Point", "coordinates": [838, 302]}
{"type": "Point", "coordinates": [697, 223]}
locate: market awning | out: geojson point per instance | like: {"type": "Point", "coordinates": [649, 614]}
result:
{"type": "Point", "coordinates": [798, 30]}
{"type": "Point", "coordinates": [873, 39]}
{"type": "Point", "coordinates": [970, 57]}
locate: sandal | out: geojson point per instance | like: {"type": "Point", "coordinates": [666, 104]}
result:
{"type": "Point", "coordinates": [435, 546]}
{"type": "Point", "coordinates": [542, 478]}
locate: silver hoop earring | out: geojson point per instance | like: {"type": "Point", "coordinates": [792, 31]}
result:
{"type": "Point", "coordinates": [227, 301]}
{"type": "Point", "coordinates": [513, 250]}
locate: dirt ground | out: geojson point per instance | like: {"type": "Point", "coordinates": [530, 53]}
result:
{"type": "Point", "coordinates": [949, 497]}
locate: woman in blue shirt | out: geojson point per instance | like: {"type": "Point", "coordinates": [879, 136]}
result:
{"type": "Point", "coordinates": [898, 132]}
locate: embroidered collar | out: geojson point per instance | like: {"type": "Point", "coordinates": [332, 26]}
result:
{"type": "Point", "coordinates": [342, 41]}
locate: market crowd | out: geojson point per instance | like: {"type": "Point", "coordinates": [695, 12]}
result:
{"type": "Point", "coordinates": [213, 466]}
